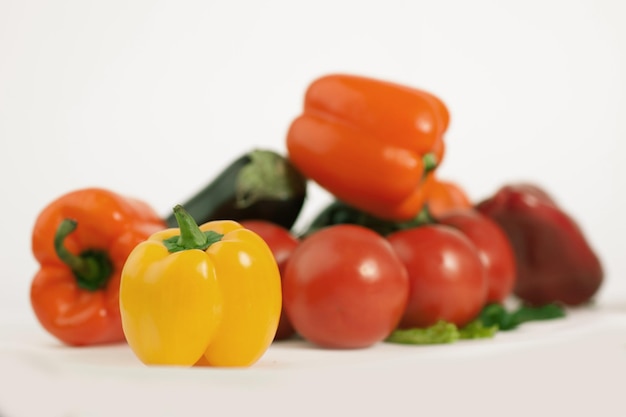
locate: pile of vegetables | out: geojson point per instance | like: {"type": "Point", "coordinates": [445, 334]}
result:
{"type": "Point", "coordinates": [399, 256]}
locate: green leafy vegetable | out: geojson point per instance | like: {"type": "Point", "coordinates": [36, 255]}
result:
{"type": "Point", "coordinates": [497, 315]}
{"type": "Point", "coordinates": [492, 318]}
{"type": "Point", "coordinates": [438, 333]}
{"type": "Point", "coordinates": [477, 330]}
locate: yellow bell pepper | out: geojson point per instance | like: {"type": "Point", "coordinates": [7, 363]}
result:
{"type": "Point", "coordinates": [200, 295]}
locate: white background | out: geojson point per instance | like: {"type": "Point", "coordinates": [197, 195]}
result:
{"type": "Point", "coordinates": [153, 98]}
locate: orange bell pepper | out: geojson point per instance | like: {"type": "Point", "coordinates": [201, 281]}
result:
{"type": "Point", "coordinates": [444, 196]}
{"type": "Point", "coordinates": [370, 143]}
{"type": "Point", "coordinates": [81, 241]}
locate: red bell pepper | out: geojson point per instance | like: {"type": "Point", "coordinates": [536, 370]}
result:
{"type": "Point", "coordinates": [555, 262]}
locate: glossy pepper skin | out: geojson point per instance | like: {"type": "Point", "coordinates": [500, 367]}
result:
{"type": "Point", "coordinates": [81, 241]}
{"type": "Point", "coordinates": [201, 295]}
{"type": "Point", "coordinates": [370, 143]}
{"type": "Point", "coordinates": [555, 262]}
{"type": "Point", "coordinates": [445, 196]}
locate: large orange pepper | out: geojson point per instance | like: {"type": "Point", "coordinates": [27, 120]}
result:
{"type": "Point", "coordinates": [368, 142]}
{"type": "Point", "coordinates": [81, 241]}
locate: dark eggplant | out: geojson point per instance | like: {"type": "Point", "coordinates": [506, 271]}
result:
{"type": "Point", "coordinates": [259, 185]}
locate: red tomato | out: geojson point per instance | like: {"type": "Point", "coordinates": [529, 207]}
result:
{"type": "Point", "coordinates": [494, 248]}
{"type": "Point", "coordinates": [344, 287]}
{"type": "Point", "coordinates": [447, 278]}
{"type": "Point", "coordinates": [281, 243]}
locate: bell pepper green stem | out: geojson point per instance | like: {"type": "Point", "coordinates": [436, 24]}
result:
{"type": "Point", "coordinates": [430, 162]}
{"type": "Point", "coordinates": [191, 236]}
{"type": "Point", "coordinates": [92, 268]}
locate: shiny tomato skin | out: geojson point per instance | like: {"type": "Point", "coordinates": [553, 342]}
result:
{"type": "Point", "coordinates": [345, 288]}
{"type": "Point", "coordinates": [447, 278]}
{"type": "Point", "coordinates": [494, 248]}
{"type": "Point", "coordinates": [282, 243]}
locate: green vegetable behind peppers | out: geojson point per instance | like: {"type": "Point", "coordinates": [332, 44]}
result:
{"type": "Point", "coordinates": [259, 185]}
{"type": "Point", "coordinates": [493, 317]}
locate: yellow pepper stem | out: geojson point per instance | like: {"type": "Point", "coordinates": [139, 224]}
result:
{"type": "Point", "coordinates": [191, 237]}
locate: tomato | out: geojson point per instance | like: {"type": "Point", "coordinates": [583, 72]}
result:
{"type": "Point", "coordinates": [282, 243]}
{"type": "Point", "coordinates": [447, 278]}
{"type": "Point", "coordinates": [344, 287]}
{"type": "Point", "coordinates": [494, 248]}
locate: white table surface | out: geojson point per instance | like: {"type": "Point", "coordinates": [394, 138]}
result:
{"type": "Point", "coordinates": [574, 366]}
